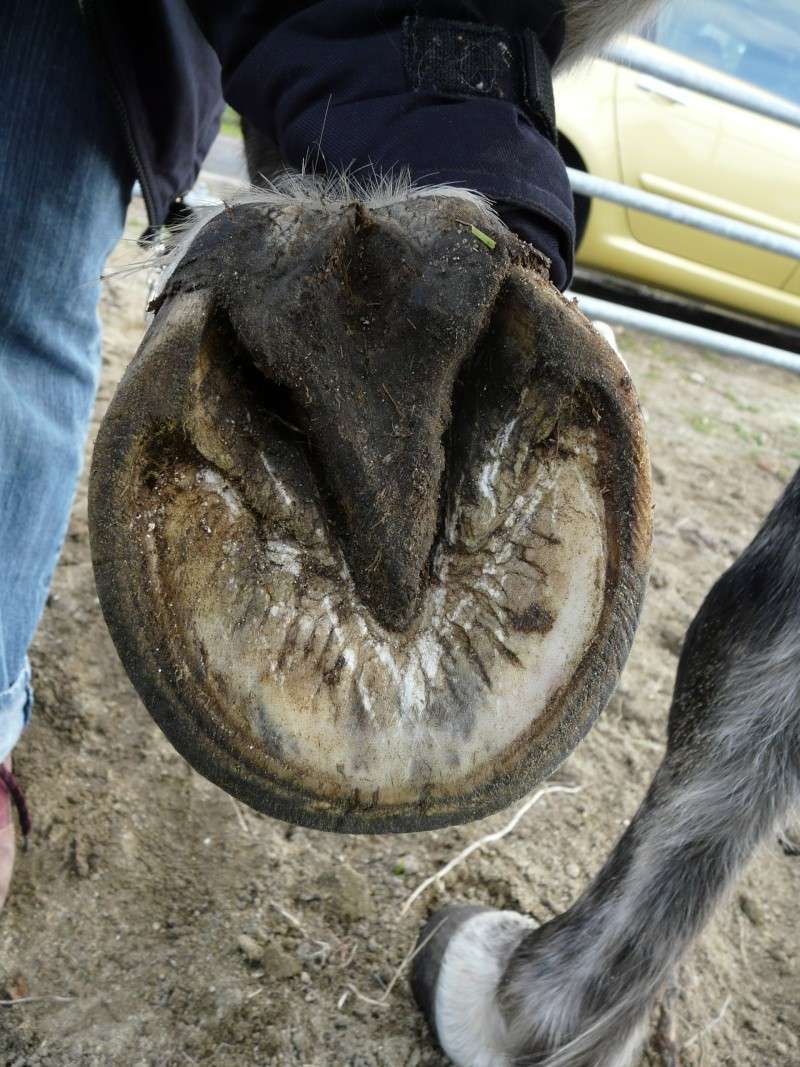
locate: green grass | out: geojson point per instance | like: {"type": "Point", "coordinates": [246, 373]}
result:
{"type": "Point", "coordinates": [739, 404]}
{"type": "Point", "coordinates": [752, 437]}
{"type": "Point", "coordinates": [712, 357]}
{"type": "Point", "coordinates": [230, 123]}
{"type": "Point", "coordinates": [664, 353]}
{"type": "Point", "coordinates": [704, 424]}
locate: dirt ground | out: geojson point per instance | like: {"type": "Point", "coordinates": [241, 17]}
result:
{"type": "Point", "coordinates": [157, 923]}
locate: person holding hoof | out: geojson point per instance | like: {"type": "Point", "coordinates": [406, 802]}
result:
{"type": "Point", "coordinates": [97, 95]}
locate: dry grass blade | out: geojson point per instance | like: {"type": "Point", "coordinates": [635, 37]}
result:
{"type": "Point", "coordinates": [380, 1002]}
{"type": "Point", "coordinates": [52, 999]}
{"type": "Point", "coordinates": [711, 1025]}
{"type": "Point", "coordinates": [489, 839]}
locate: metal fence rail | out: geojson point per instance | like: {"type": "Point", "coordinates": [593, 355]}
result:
{"type": "Point", "coordinates": [633, 55]}
{"type": "Point", "coordinates": [673, 330]}
{"type": "Point", "coordinates": [588, 185]}
{"type": "Point", "coordinates": [628, 53]}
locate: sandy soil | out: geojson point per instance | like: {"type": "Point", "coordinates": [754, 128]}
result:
{"type": "Point", "coordinates": [156, 922]}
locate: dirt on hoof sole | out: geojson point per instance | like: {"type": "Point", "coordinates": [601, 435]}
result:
{"type": "Point", "coordinates": [370, 514]}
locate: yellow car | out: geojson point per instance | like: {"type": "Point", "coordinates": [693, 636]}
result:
{"type": "Point", "coordinates": [632, 128]}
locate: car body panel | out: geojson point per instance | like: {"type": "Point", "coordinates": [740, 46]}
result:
{"type": "Point", "coordinates": [587, 119]}
{"type": "Point", "coordinates": [651, 135]}
{"type": "Point", "coordinates": [793, 285]}
{"type": "Point", "coordinates": [704, 149]}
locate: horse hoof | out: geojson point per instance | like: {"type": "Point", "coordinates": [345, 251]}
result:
{"type": "Point", "coordinates": [370, 513]}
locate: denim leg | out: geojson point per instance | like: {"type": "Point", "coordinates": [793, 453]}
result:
{"type": "Point", "coordinates": [65, 184]}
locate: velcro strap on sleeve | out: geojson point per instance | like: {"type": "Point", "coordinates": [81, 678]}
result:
{"type": "Point", "coordinates": [459, 59]}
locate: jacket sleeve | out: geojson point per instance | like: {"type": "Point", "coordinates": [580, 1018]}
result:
{"type": "Point", "coordinates": [443, 91]}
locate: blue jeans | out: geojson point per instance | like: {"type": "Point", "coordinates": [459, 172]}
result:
{"type": "Point", "coordinates": [65, 185]}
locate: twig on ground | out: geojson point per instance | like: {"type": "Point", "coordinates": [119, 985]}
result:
{"type": "Point", "coordinates": [348, 958]}
{"type": "Point", "coordinates": [664, 1040]}
{"type": "Point", "coordinates": [742, 945]}
{"type": "Point", "coordinates": [52, 999]}
{"type": "Point", "coordinates": [239, 814]}
{"type": "Point", "coordinates": [489, 839]}
{"type": "Point", "coordinates": [712, 1024]}
{"type": "Point", "coordinates": [287, 915]}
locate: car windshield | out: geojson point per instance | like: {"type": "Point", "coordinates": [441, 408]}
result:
{"type": "Point", "coordinates": [755, 40]}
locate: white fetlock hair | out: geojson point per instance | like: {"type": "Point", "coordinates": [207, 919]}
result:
{"type": "Point", "coordinates": [330, 190]}
{"type": "Point", "coordinates": [469, 1024]}
{"type": "Point", "coordinates": [592, 24]}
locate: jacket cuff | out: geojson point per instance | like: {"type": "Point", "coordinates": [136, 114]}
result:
{"type": "Point", "coordinates": [332, 88]}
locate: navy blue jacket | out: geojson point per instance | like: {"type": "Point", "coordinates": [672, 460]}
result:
{"type": "Point", "coordinates": [449, 90]}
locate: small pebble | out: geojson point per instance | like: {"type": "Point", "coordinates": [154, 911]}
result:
{"type": "Point", "coordinates": [659, 579]}
{"type": "Point", "coordinates": [279, 965]}
{"type": "Point", "coordinates": [346, 893]}
{"type": "Point", "coordinates": [408, 864]}
{"type": "Point", "coordinates": [671, 639]}
{"type": "Point", "coordinates": [250, 948]}
{"type": "Point", "coordinates": [752, 908]}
